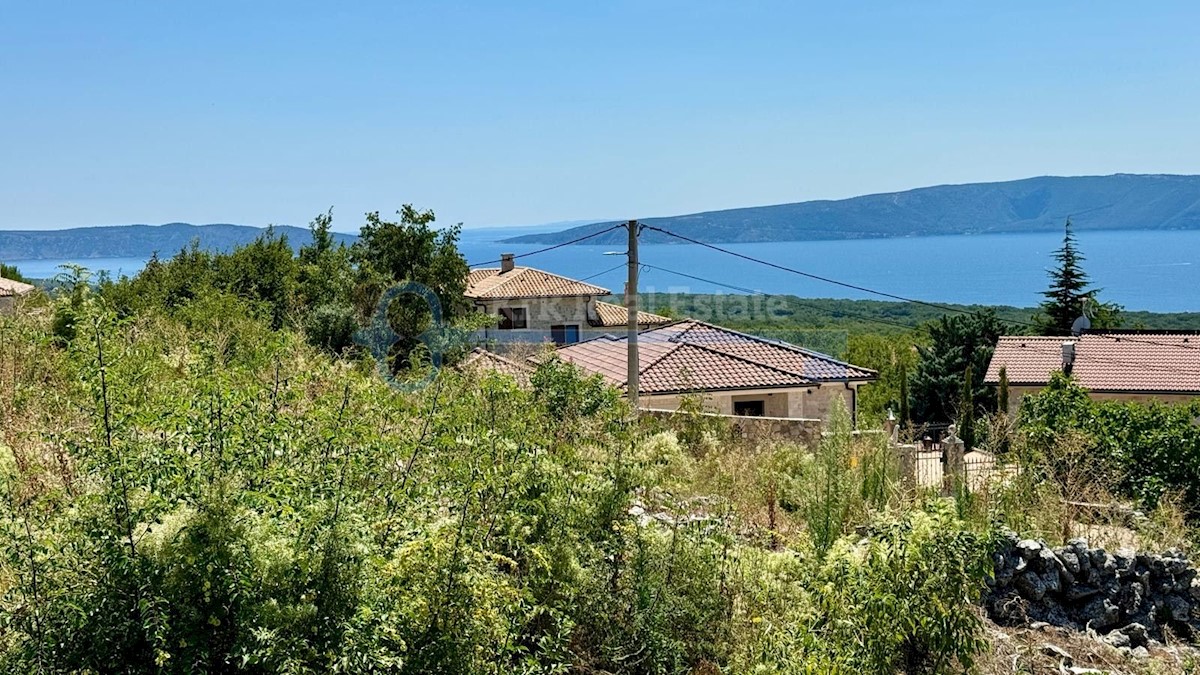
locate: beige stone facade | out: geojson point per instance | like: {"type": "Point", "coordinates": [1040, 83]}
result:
{"type": "Point", "coordinates": [1017, 393]}
{"type": "Point", "coordinates": [813, 402]}
{"type": "Point", "coordinates": [802, 431]}
{"type": "Point", "coordinates": [541, 316]}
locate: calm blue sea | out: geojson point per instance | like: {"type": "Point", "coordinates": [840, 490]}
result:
{"type": "Point", "coordinates": [1156, 271]}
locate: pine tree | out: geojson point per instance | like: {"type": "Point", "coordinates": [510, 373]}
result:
{"type": "Point", "coordinates": [1068, 292]}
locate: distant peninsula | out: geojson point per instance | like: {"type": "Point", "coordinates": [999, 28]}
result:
{"type": "Point", "coordinates": [137, 241]}
{"type": "Point", "coordinates": [1118, 202]}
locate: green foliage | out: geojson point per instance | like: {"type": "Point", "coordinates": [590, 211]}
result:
{"type": "Point", "coordinates": [845, 481]}
{"type": "Point", "coordinates": [1149, 449]}
{"type": "Point", "coordinates": [956, 343]}
{"type": "Point", "coordinates": [409, 250]}
{"type": "Point", "coordinates": [896, 601]}
{"type": "Point", "coordinates": [74, 298]}
{"type": "Point", "coordinates": [11, 272]}
{"type": "Point", "coordinates": [194, 491]}
{"type": "Point", "coordinates": [893, 357]}
{"type": "Point", "coordinates": [1002, 400]}
{"type": "Point", "coordinates": [1068, 293]}
{"type": "Point", "coordinates": [966, 412]}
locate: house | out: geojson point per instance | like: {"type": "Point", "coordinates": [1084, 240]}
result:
{"type": "Point", "coordinates": [1111, 365]}
{"type": "Point", "coordinates": [734, 373]}
{"type": "Point", "coordinates": [10, 290]}
{"type": "Point", "coordinates": [481, 360]}
{"type": "Point", "coordinates": [536, 306]}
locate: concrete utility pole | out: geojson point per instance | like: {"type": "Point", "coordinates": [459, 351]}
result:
{"type": "Point", "coordinates": [631, 289]}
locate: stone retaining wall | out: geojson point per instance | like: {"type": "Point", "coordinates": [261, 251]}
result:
{"type": "Point", "coordinates": [805, 431]}
{"type": "Point", "coordinates": [1128, 597]}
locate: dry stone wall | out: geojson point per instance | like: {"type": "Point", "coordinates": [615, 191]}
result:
{"type": "Point", "coordinates": [1126, 596]}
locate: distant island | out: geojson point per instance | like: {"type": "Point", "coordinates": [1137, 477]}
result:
{"type": "Point", "coordinates": [1118, 202]}
{"type": "Point", "coordinates": [137, 241]}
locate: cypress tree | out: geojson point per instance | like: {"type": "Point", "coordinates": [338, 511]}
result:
{"type": "Point", "coordinates": [905, 413]}
{"type": "Point", "coordinates": [1002, 394]}
{"type": "Point", "coordinates": [966, 416]}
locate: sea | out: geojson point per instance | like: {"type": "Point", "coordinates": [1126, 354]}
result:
{"type": "Point", "coordinates": [1155, 271]}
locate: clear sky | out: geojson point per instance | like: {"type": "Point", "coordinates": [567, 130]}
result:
{"type": "Point", "coordinates": [523, 113]}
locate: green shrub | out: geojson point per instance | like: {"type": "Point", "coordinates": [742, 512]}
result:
{"type": "Point", "coordinates": [1147, 449]}
{"type": "Point", "coordinates": [899, 600]}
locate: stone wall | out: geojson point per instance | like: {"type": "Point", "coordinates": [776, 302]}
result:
{"type": "Point", "coordinates": [804, 431]}
{"type": "Point", "coordinates": [1128, 597]}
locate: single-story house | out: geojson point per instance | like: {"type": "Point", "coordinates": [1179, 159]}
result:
{"type": "Point", "coordinates": [536, 306]}
{"type": "Point", "coordinates": [10, 290]}
{"type": "Point", "coordinates": [1111, 365]}
{"type": "Point", "coordinates": [734, 373]}
{"type": "Point", "coordinates": [483, 360]}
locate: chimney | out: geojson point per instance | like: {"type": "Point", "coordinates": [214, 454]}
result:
{"type": "Point", "coordinates": [506, 262]}
{"type": "Point", "coordinates": [1068, 356]}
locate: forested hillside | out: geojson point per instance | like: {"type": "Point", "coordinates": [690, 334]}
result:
{"type": "Point", "coordinates": [137, 241]}
{"type": "Point", "coordinates": [1119, 202]}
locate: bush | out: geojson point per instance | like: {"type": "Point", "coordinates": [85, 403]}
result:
{"type": "Point", "coordinates": [1146, 449]}
{"type": "Point", "coordinates": [900, 600]}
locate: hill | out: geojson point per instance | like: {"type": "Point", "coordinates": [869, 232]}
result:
{"type": "Point", "coordinates": [136, 241]}
{"type": "Point", "coordinates": [1118, 202]}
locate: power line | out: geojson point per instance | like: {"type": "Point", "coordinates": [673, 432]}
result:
{"type": "Point", "coordinates": [1053, 352]}
{"type": "Point", "coordinates": [551, 248]}
{"type": "Point", "coordinates": [600, 274]}
{"type": "Point", "coordinates": [801, 300]}
{"type": "Point", "coordinates": [864, 289]}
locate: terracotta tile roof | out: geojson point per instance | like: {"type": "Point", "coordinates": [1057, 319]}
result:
{"type": "Point", "coordinates": [483, 359]}
{"type": "Point", "coordinates": [13, 287]}
{"type": "Point", "coordinates": [616, 315]}
{"type": "Point", "coordinates": [693, 355]}
{"type": "Point", "coordinates": [524, 282]}
{"type": "Point", "coordinates": [1109, 362]}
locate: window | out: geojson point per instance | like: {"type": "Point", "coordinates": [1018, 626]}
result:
{"type": "Point", "coordinates": [564, 335]}
{"type": "Point", "coordinates": [512, 317]}
{"type": "Point", "coordinates": [749, 408]}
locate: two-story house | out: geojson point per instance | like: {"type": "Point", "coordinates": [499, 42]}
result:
{"type": "Point", "coordinates": [533, 305]}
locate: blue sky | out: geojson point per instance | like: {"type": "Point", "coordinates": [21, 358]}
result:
{"type": "Point", "coordinates": [523, 113]}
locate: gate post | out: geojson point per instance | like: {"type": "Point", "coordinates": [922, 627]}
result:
{"type": "Point", "coordinates": [953, 468]}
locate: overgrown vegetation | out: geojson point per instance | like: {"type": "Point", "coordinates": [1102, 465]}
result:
{"type": "Point", "coordinates": [199, 472]}
{"type": "Point", "coordinates": [199, 491]}
{"type": "Point", "coordinates": [1144, 450]}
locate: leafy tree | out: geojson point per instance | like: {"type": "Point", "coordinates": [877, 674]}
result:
{"type": "Point", "coordinates": [1069, 292]}
{"type": "Point", "coordinates": [263, 271]}
{"type": "Point", "coordinates": [409, 249]}
{"type": "Point", "coordinates": [326, 285]}
{"type": "Point", "coordinates": [893, 357]}
{"type": "Point", "coordinates": [956, 343]}
{"type": "Point", "coordinates": [11, 272]}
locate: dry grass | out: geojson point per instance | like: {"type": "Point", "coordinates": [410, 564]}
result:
{"type": "Point", "coordinates": [1031, 651]}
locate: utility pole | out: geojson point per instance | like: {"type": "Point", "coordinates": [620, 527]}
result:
{"type": "Point", "coordinates": [631, 289]}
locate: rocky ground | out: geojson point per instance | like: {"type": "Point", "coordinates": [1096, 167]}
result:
{"type": "Point", "coordinates": [1076, 609]}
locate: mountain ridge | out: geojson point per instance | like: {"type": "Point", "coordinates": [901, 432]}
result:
{"type": "Point", "coordinates": [139, 240]}
{"type": "Point", "coordinates": [1114, 202]}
